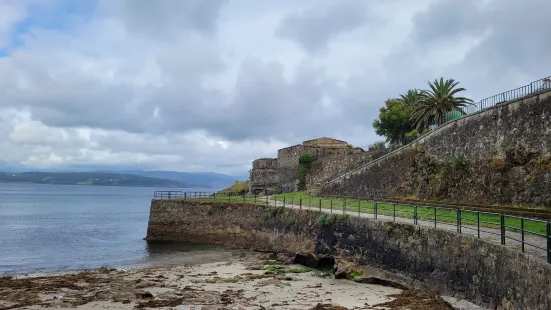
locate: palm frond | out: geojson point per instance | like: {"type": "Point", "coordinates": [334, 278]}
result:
{"type": "Point", "coordinates": [438, 100]}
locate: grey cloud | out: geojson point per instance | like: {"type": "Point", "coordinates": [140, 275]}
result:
{"type": "Point", "coordinates": [169, 19]}
{"type": "Point", "coordinates": [266, 104]}
{"type": "Point", "coordinates": [448, 20]}
{"type": "Point", "coordinates": [313, 28]}
{"type": "Point", "coordinates": [519, 40]}
{"type": "Point", "coordinates": [513, 38]}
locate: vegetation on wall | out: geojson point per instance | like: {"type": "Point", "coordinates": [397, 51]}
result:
{"type": "Point", "coordinates": [304, 167]}
{"type": "Point", "coordinates": [521, 177]}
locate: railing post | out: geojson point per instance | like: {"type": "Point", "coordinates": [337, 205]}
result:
{"type": "Point", "coordinates": [284, 202]}
{"type": "Point", "coordinates": [243, 198]}
{"type": "Point", "coordinates": [275, 200]}
{"type": "Point", "coordinates": [213, 195]}
{"type": "Point", "coordinates": [320, 205]}
{"type": "Point", "coordinates": [459, 219]}
{"type": "Point", "coordinates": [434, 217]}
{"type": "Point", "coordinates": [502, 226]}
{"type": "Point", "coordinates": [394, 212]}
{"type": "Point", "coordinates": [359, 207]}
{"type": "Point", "coordinates": [267, 199]}
{"type": "Point", "coordinates": [458, 213]}
{"type": "Point", "coordinates": [331, 205]}
{"type": "Point", "coordinates": [522, 232]}
{"type": "Point", "coordinates": [415, 215]}
{"type": "Point", "coordinates": [300, 203]}
{"type": "Point", "coordinates": [185, 196]}
{"type": "Point", "coordinates": [344, 207]}
{"type": "Point", "coordinates": [548, 242]}
{"type": "Point", "coordinates": [478, 223]}
{"type": "Point", "coordinates": [375, 210]}
{"type": "Point", "coordinates": [255, 198]}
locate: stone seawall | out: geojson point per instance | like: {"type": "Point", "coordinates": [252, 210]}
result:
{"type": "Point", "coordinates": [501, 155]}
{"type": "Point", "coordinates": [487, 274]}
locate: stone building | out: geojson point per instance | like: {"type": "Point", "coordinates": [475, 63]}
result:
{"type": "Point", "coordinates": [325, 142]}
{"type": "Point", "coordinates": [280, 174]}
{"type": "Point", "coordinates": [263, 175]}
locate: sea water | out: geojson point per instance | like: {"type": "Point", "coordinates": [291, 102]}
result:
{"type": "Point", "coordinates": [46, 228]}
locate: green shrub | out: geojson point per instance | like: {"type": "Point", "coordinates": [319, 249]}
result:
{"type": "Point", "coordinates": [272, 211]}
{"type": "Point", "coordinates": [326, 220]}
{"type": "Point", "coordinates": [304, 166]}
{"type": "Point", "coordinates": [456, 162]}
{"type": "Point", "coordinates": [306, 159]}
{"type": "Point", "coordinates": [321, 220]}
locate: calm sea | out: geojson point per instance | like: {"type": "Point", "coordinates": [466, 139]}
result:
{"type": "Point", "coordinates": [46, 228]}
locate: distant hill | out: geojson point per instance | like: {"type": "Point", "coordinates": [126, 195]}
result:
{"type": "Point", "coordinates": [88, 178]}
{"type": "Point", "coordinates": [191, 179]}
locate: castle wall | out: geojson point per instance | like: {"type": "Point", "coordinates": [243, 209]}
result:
{"type": "Point", "coordinates": [263, 173]}
{"type": "Point", "coordinates": [498, 156]}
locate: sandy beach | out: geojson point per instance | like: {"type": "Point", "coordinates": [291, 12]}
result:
{"type": "Point", "coordinates": [242, 280]}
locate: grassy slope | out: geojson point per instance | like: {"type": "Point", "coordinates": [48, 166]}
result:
{"type": "Point", "coordinates": [238, 188]}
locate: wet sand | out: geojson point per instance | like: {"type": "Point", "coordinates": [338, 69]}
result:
{"type": "Point", "coordinates": [238, 280]}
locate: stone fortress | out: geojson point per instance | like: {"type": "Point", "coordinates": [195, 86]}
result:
{"type": "Point", "coordinates": [498, 155]}
{"type": "Point", "coordinates": [332, 158]}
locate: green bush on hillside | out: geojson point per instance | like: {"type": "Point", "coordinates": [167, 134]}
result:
{"type": "Point", "coordinates": [304, 166]}
{"type": "Point", "coordinates": [238, 188]}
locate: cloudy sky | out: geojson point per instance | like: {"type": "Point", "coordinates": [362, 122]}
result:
{"type": "Point", "coordinates": [195, 85]}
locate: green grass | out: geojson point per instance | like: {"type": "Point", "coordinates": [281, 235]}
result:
{"type": "Point", "coordinates": [389, 209]}
{"type": "Point", "coordinates": [407, 211]}
{"type": "Point", "coordinates": [238, 188]}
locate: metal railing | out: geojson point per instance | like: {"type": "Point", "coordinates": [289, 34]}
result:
{"type": "Point", "coordinates": [527, 232]}
{"type": "Point", "coordinates": [160, 195]}
{"type": "Point", "coordinates": [536, 87]}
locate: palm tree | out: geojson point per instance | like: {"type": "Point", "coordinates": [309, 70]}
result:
{"type": "Point", "coordinates": [436, 102]}
{"type": "Point", "coordinates": [412, 97]}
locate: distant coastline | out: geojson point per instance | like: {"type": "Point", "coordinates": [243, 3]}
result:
{"type": "Point", "coordinates": [90, 179]}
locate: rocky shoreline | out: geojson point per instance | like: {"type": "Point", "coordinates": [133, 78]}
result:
{"type": "Point", "coordinates": [245, 281]}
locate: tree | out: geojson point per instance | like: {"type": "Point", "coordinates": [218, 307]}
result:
{"type": "Point", "coordinates": [394, 121]}
{"type": "Point", "coordinates": [412, 97]}
{"type": "Point", "coordinates": [437, 101]}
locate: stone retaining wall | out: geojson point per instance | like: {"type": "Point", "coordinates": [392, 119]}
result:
{"type": "Point", "coordinates": [498, 156]}
{"type": "Point", "coordinates": [487, 274]}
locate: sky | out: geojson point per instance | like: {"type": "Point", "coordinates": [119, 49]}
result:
{"type": "Point", "coordinates": [212, 85]}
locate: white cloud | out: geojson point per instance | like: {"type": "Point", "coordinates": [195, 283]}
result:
{"type": "Point", "coordinates": [212, 85]}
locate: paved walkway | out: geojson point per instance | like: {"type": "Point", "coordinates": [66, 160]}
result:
{"type": "Point", "coordinates": [512, 239]}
